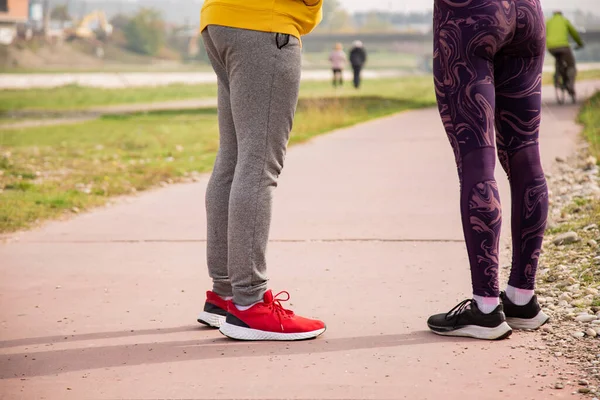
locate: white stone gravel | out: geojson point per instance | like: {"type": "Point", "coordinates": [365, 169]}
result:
{"type": "Point", "coordinates": [569, 272]}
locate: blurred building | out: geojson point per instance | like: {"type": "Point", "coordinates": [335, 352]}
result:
{"type": "Point", "coordinates": [12, 13]}
{"type": "Point", "coordinates": [36, 15]}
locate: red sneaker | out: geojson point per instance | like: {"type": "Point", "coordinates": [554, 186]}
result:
{"type": "Point", "coordinates": [269, 321]}
{"type": "Point", "coordinates": [215, 310]}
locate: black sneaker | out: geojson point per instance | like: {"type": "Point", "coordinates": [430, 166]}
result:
{"type": "Point", "coordinates": [468, 321]}
{"type": "Point", "coordinates": [529, 316]}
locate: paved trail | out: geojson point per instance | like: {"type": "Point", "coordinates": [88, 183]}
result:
{"type": "Point", "coordinates": [52, 118]}
{"type": "Point", "coordinates": [139, 79]}
{"type": "Point", "coordinates": [366, 236]}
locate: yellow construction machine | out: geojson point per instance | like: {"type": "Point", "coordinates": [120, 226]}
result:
{"type": "Point", "coordinates": [86, 30]}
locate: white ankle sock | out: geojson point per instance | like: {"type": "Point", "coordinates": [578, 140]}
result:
{"type": "Point", "coordinates": [518, 296]}
{"type": "Point", "coordinates": [486, 304]}
{"type": "Point", "coordinates": [244, 308]}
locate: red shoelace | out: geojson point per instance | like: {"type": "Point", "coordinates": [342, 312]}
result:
{"type": "Point", "coordinates": [278, 308]}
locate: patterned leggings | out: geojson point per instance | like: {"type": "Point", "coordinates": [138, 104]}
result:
{"type": "Point", "coordinates": [488, 57]}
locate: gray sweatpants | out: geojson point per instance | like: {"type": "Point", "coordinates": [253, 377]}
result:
{"type": "Point", "coordinates": [259, 79]}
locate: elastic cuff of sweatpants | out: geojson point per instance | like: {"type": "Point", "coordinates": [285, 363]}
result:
{"type": "Point", "coordinates": [245, 296]}
{"type": "Point", "coordinates": [223, 288]}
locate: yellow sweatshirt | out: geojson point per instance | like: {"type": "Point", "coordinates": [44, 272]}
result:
{"type": "Point", "coordinates": [294, 17]}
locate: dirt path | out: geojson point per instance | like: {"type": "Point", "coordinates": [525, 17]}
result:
{"type": "Point", "coordinates": [50, 118]}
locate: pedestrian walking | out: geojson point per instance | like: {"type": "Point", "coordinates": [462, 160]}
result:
{"type": "Point", "coordinates": [338, 63]}
{"type": "Point", "coordinates": [358, 58]}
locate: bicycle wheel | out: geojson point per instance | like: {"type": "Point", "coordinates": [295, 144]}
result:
{"type": "Point", "coordinates": [561, 93]}
{"type": "Point", "coordinates": [560, 81]}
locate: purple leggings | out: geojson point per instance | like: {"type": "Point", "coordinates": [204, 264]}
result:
{"type": "Point", "coordinates": [488, 57]}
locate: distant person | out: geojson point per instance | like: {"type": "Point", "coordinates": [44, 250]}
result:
{"type": "Point", "coordinates": [558, 31]}
{"type": "Point", "coordinates": [490, 74]}
{"type": "Point", "coordinates": [254, 48]}
{"type": "Point", "coordinates": [338, 62]}
{"type": "Point", "coordinates": [358, 58]}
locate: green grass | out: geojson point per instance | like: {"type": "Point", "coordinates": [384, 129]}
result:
{"type": "Point", "coordinates": [73, 97]}
{"type": "Point", "coordinates": [590, 118]}
{"type": "Point", "coordinates": [415, 88]}
{"type": "Point", "coordinates": [376, 60]}
{"type": "Point", "coordinates": [581, 76]}
{"type": "Point", "coordinates": [48, 171]}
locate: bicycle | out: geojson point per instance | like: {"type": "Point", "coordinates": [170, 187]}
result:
{"type": "Point", "coordinates": [561, 81]}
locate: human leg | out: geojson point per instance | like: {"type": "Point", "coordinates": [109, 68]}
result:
{"type": "Point", "coordinates": [356, 69]}
{"type": "Point", "coordinates": [518, 115]}
{"type": "Point", "coordinates": [217, 195]}
{"type": "Point", "coordinates": [263, 72]}
{"type": "Point", "coordinates": [464, 83]}
{"type": "Point", "coordinates": [264, 83]}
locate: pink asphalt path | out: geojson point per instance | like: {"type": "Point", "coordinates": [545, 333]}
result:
{"type": "Point", "coordinates": [366, 235]}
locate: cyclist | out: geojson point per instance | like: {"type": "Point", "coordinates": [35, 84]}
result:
{"type": "Point", "coordinates": [558, 30]}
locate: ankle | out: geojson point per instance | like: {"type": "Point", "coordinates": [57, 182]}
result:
{"type": "Point", "coordinates": [519, 297]}
{"type": "Point", "coordinates": [245, 308]}
{"type": "Point", "coordinates": [486, 304]}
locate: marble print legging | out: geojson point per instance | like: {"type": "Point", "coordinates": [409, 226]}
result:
{"type": "Point", "coordinates": [488, 57]}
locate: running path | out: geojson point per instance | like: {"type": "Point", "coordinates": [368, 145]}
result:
{"type": "Point", "coordinates": [88, 114]}
{"type": "Point", "coordinates": [366, 236]}
{"type": "Point", "coordinates": [141, 79]}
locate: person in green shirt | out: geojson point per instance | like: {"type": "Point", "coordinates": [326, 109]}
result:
{"type": "Point", "coordinates": [558, 31]}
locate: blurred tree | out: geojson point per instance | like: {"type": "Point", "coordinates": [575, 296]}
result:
{"type": "Point", "coordinates": [60, 13]}
{"type": "Point", "coordinates": [329, 8]}
{"type": "Point", "coordinates": [119, 21]}
{"type": "Point", "coordinates": [341, 21]}
{"type": "Point", "coordinates": [145, 32]}
{"type": "Point", "coordinates": [335, 18]}
{"type": "Point", "coordinates": [377, 22]}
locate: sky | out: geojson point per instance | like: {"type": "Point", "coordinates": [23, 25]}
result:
{"type": "Point", "coordinates": [421, 5]}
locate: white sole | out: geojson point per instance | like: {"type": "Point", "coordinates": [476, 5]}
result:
{"type": "Point", "coordinates": [528, 323]}
{"type": "Point", "coordinates": [240, 333]}
{"type": "Point", "coordinates": [213, 320]}
{"type": "Point", "coordinates": [502, 331]}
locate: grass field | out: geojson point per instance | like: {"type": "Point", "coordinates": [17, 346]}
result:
{"type": "Point", "coordinates": [75, 97]}
{"type": "Point", "coordinates": [72, 97]}
{"type": "Point", "coordinates": [581, 76]}
{"type": "Point", "coordinates": [45, 172]}
{"type": "Point", "coordinates": [376, 60]}
{"type": "Point", "coordinates": [590, 118]}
